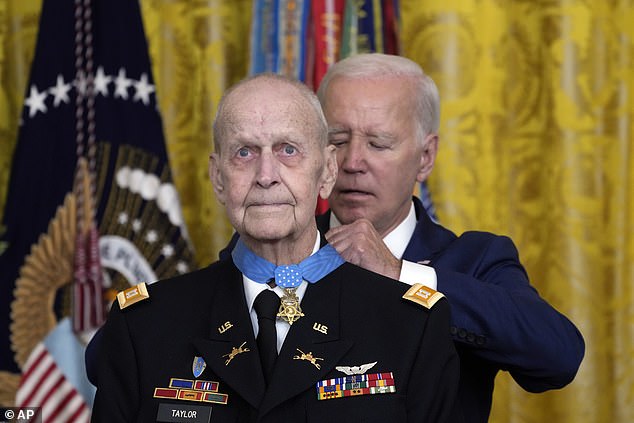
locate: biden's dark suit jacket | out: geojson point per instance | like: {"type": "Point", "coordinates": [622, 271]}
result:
{"type": "Point", "coordinates": [499, 321]}
{"type": "Point", "coordinates": [365, 318]}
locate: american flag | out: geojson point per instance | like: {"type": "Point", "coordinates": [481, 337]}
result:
{"type": "Point", "coordinates": [45, 382]}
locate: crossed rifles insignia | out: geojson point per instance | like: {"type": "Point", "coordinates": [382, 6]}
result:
{"type": "Point", "coordinates": [308, 357]}
{"type": "Point", "coordinates": [235, 351]}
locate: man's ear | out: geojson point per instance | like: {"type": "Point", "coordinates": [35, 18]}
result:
{"type": "Point", "coordinates": [428, 158]}
{"type": "Point", "coordinates": [329, 174]}
{"type": "Point", "coordinates": [216, 177]}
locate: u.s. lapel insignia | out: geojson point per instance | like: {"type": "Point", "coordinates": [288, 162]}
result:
{"type": "Point", "coordinates": [319, 327]}
{"type": "Point", "coordinates": [290, 310]}
{"type": "Point", "coordinates": [198, 366]}
{"type": "Point", "coordinates": [225, 326]}
{"type": "Point", "coordinates": [423, 295]}
{"type": "Point", "coordinates": [355, 370]}
{"type": "Point", "coordinates": [308, 357]}
{"type": "Point", "coordinates": [235, 351]}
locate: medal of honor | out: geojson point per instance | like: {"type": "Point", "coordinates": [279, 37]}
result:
{"type": "Point", "coordinates": [290, 310]}
{"type": "Point", "coordinates": [287, 276]}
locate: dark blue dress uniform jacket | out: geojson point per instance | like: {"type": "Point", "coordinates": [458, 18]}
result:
{"type": "Point", "coordinates": [366, 320]}
{"type": "Point", "coordinates": [499, 321]}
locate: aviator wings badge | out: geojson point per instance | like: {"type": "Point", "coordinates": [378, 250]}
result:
{"type": "Point", "coordinates": [355, 370]}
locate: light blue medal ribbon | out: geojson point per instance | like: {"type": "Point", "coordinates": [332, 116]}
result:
{"type": "Point", "coordinates": [312, 268]}
{"type": "Point", "coordinates": [287, 276]}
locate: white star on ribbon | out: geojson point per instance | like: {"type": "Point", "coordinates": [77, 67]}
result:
{"type": "Point", "coordinates": [101, 82]}
{"type": "Point", "coordinates": [60, 91]}
{"type": "Point", "coordinates": [35, 102]}
{"type": "Point", "coordinates": [143, 90]}
{"type": "Point", "coordinates": [121, 85]}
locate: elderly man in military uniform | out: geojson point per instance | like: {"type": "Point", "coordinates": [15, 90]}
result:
{"type": "Point", "coordinates": [285, 330]}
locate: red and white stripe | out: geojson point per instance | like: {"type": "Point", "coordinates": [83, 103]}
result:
{"type": "Point", "coordinates": [44, 385]}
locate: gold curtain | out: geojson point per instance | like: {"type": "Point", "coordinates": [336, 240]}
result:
{"type": "Point", "coordinates": [536, 143]}
{"type": "Point", "coordinates": [197, 48]}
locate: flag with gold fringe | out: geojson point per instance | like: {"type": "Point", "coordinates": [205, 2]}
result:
{"type": "Point", "coordinates": [91, 207]}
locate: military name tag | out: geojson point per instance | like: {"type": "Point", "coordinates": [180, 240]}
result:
{"type": "Point", "coordinates": [183, 413]}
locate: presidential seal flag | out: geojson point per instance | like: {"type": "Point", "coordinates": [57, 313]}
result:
{"type": "Point", "coordinates": [91, 207]}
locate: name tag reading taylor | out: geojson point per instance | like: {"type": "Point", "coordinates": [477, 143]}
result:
{"type": "Point", "coordinates": [183, 413]}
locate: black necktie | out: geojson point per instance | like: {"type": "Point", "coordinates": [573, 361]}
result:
{"type": "Point", "coordinates": [266, 305]}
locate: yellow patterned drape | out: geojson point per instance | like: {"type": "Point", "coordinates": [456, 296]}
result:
{"type": "Point", "coordinates": [536, 143]}
{"type": "Point", "coordinates": [198, 48]}
{"type": "Point", "coordinates": [18, 29]}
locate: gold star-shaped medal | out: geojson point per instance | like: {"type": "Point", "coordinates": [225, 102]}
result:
{"type": "Point", "coordinates": [290, 310]}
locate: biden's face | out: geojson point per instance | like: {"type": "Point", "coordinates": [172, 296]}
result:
{"type": "Point", "coordinates": [379, 153]}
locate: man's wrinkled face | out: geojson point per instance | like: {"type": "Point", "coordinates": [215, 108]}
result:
{"type": "Point", "coordinates": [380, 158]}
{"type": "Point", "coordinates": [270, 167]}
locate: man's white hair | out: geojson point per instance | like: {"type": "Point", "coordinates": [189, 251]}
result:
{"type": "Point", "coordinates": [223, 117]}
{"type": "Point", "coordinates": [424, 93]}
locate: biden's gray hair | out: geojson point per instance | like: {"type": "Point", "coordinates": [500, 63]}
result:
{"type": "Point", "coordinates": [425, 97]}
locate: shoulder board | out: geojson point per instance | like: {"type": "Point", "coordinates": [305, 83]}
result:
{"type": "Point", "coordinates": [423, 295]}
{"type": "Point", "coordinates": [132, 295]}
